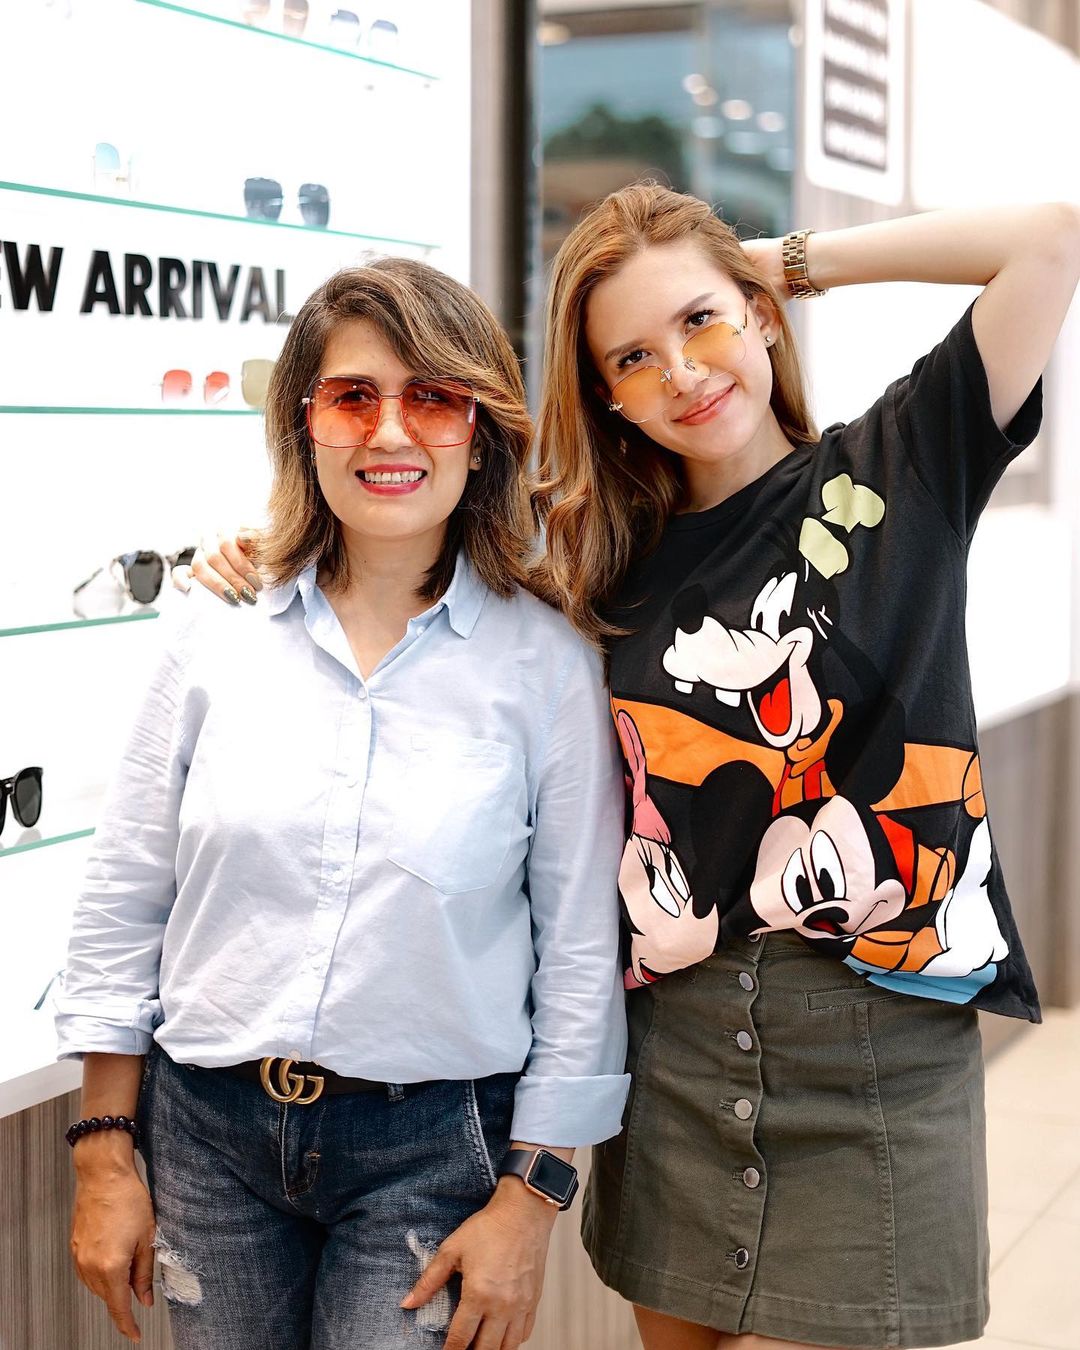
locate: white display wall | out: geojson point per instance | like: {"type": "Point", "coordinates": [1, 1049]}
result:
{"type": "Point", "coordinates": [127, 250]}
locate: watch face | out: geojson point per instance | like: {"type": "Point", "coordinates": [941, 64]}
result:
{"type": "Point", "coordinates": [552, 1176]}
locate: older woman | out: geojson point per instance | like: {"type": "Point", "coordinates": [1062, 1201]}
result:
{"type": "Point", "coordinates": [350, 923]}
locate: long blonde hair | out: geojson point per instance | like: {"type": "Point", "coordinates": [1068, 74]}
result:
{"type": "Point", "coordinates": [604, 490]}
{"type": "Point", "coordinates": [438, 328]}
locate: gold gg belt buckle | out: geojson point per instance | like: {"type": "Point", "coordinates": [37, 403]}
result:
{"type": "Point", "coordinates": [290, 1085]}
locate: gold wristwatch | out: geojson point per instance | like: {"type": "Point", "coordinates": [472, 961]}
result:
{"type": "Point", "coordinates": [793, 252]}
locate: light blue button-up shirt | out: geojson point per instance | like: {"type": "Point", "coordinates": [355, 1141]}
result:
{"type": "Point", "coordinates": [408, 877]}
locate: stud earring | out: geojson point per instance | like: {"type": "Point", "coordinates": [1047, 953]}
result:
{"type": "Point", "coordinates": [476, 460]}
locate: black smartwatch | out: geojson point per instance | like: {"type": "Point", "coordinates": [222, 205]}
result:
{"type": "Point", "coordinates": [543, 1173]}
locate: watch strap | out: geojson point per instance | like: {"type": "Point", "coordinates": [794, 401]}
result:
{"type": "Point", "coordinates": [793, 254]}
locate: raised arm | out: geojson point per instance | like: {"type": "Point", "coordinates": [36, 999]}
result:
{"type": "Point", "coordinates": [1027, 259]}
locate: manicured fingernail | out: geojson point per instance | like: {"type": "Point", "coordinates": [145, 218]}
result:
{"type": "Point", "coordinates": [247, 595]}
{"type": "Point", "coordinates": [230, 596]}
{"type": "Point", "coordinates": [254, 580]}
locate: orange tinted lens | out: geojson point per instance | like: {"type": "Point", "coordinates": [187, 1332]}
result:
{"type": "Point", "coordinates": [643, 394]}
{"type": "Point", "coordinates": [215, 387]}
{"type": "Point", "coordinates": [719, 347]}
{"type": "Point", "coordinates": [438, 414]}
{"type": "Point", "coordinates": [343, 412]}
{"type": "Point", "coordinates": [176, 386]}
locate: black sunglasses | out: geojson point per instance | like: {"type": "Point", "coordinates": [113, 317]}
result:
{"type": "Point", "coordinates": [25, 793]}
{"type": "Point", "coordinates": [143, 572]}
{"type": "Point", "coordinates": [264, 198]}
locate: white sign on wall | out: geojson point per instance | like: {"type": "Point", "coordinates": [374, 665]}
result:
{"type": "Point", "coordinates": [853, 97]}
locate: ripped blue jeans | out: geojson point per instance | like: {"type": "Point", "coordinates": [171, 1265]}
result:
{"type": "Point", "coordinates": [287, 1227]}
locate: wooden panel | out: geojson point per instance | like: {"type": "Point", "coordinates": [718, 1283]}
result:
{"type": "Point", "coordinates": [42, 1304]}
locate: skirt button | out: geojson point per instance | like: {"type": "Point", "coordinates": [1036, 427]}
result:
{"type": "Point", "coordinates": [744, 1109]}
{"type": "Point", "coordinates": [744, 1041]}
{"type": "Point", "coordinates": [742, 1259]}
{"type": "Point", "coordinates": [746, 980]}
{"type": "Point", "coordinates": [751, 1178]}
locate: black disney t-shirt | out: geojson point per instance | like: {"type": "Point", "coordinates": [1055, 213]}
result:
{"type": "Point", "coordinates": [794, 706]}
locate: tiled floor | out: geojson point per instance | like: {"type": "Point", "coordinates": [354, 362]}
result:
{"type": "Point", "coordinates": [1033, 1110]}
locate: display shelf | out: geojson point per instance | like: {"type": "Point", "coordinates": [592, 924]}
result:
{"type": "Point", "coordinates": [58, 627]}
{"type": "Point", "coordinates": [38, 189]}
{"type": "Point", "coordinates": [285, 37]}
{"type": "Point", "coordinates": [37, 410]}
{"type": "Point", "coordinates": [46, 842]}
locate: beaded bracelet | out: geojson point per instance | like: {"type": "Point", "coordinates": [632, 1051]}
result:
{"type": "Point", "coordinates": [94, 1124]}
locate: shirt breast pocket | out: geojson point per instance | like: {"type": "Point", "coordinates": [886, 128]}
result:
{"type": "Point", "coordinates": [460, 803]}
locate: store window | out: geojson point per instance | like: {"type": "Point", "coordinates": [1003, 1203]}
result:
{"type": "Point", "coordinates": [700, 96]}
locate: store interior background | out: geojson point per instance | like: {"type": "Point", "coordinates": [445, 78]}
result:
{"type": "Point", "coordinates": [482, 137]}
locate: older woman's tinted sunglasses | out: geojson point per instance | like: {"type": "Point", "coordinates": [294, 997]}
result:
{"type": "Point", "coordinates": [343, 412]}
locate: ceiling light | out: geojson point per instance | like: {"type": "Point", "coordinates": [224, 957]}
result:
{"type": "Point", "coordinates": [771, 121]}
{"type": "Point", "coordinates": [736, 109]}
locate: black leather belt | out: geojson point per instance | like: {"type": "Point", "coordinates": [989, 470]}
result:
{"type": "Point", "coordinates": [298, 1082]}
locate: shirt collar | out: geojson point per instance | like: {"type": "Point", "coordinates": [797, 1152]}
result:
{"type": "Point", "coordinates": [463, 600]}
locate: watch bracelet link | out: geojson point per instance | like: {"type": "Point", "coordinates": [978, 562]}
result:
{"type": "Point", "coordinates": [793, 254]}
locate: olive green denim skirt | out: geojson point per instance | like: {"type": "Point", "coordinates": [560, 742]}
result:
{"type": "Point", "coordinates": [803, 1156]}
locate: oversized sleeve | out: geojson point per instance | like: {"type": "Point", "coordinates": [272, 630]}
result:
{"type": "Point", "coordinates": [574, 1087]}
{"type": "Point", "coordinates": [942, 414]}
{"type": "Point", "coordinates": [108, 1000]}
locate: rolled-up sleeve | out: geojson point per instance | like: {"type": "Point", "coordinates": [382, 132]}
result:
{"type": "Point", "coordinates": [108, 996]}
{"type": "Point", "coordinates": [574, 1087]}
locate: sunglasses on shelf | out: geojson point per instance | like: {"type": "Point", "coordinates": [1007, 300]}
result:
{"type": "Point", "coordinates": [141, 573]}
{"type": "Point", "coordinates": [343, 411]}
{"type": "Point", "coordinates": [293, 20]}
{"type": "Point", "coordinates": [176, 387]}
{"type": "Point", "coordinates": [24, 791]}
{"type": "Point", "coordinates": [264, 199]}
{"type": "Point", "coordinates": [254, 382]}
{"type": "Point", "coordinates": [110, 172]}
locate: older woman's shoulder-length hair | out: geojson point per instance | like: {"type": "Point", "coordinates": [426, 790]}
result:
{"type": "Point", "coordinates": [439, 329]}
{"type": "Point", "coordinates": [604, 490]}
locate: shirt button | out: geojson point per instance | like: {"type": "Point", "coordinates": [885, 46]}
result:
{"type": "Point", "coordinates": [751, 1178]}
{"type": "Point", "coordinates": [744, 1041]}
{"type": "Point", "coordinates": [746, 980]}
{"type": "Point", "coordinates": [361, 693]}
{"type": "Point", "coordinates": [744, 1109]}
{"type": "Point", "coordinates": [742, 1259]}
{"type": "Point", "coordinates": [337, 873]}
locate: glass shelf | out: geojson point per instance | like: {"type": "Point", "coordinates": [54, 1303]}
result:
{"type": "Point", "coordinates": [78, 623]}
{"type": "Point", "coordinates": [285, 37]}
{"type": "Point", "coordinates": [47, 842]}
{"type": "Point", "coordinates": [30, 409]}
{"type": "Point", "coordinates": [38, 190]}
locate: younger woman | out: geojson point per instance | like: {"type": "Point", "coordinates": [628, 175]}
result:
{"type": "Point", "coordinates": [814, 903]}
